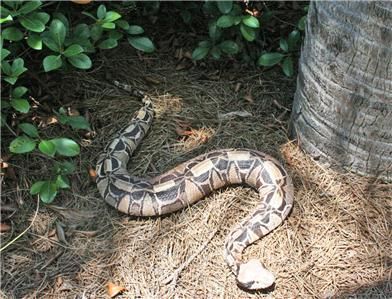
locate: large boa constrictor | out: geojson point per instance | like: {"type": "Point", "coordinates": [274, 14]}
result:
{"type": "Point", "coordinates": [192, 180]}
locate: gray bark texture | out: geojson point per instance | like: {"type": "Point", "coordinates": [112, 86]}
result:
{"type": "Point", "coordinates": [342, 111]}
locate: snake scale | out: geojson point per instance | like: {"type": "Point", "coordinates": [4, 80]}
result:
{"type": "Point", "coordinates": [192, 180]}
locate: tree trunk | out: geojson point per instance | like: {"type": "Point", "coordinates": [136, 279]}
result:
{"type": "Point", "coordinates": [342, 111]}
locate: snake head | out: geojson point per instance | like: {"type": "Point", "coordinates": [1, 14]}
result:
{"type": "Point", "coordinates": [252, 275]}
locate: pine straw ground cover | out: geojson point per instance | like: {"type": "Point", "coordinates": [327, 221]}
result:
{"type": "Point", "coordinates": [336, 241]}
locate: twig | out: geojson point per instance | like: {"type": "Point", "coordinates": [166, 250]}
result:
{"type": "Point", "coordinates": [22, 233]}
{"type": "Point", "coordinates": [172, 279]}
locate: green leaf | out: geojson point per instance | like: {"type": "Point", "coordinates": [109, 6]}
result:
{"type": "Point", "coordinates": [50, 42]}
{"type": "Point", "coordinates": [142, 43]}
{"type": "Point", "coordinates": [225, 6]}
{"type": "Point", "coordinates": [134, 29]}
{"type": "Point", "coordinates": [47, 147]}
{"type": "Point", "coordinates": [284, 45]}
{"type": "Point", "coordinates": [12, 33]}
{"type": "Point", "coordinates": [36, 187]}
{"type": "Point", "coordinates": [52, 62]}
{"type": "Point", "coordinates": [248, 33]}
{"type": "Point", "coordinates": [6, 19]}
{"type": "Point", "coordinates": [29, 129]}
{"type": "Point", "coordinates": [58, 32]}
{"type": "Point", "coordinates": [96, 32]}
{"type": "Point", "coordinates": [108, 44]}
{"type": "Point", "coordinates": [76, 122]}
{"type": "Point", "coordinates": [112, 16]}
{"type": "Point", "coordinates": [122, 24]}
{"type": "Point", "coordinates": [215, 53]}
{"type": "Point", "coordinates": [82, 31]}
{"type": "Point", "coordinates": [66, 147]}
{"type": "Point", "coordinates": [229, 47]}
{"type": "Point", "coordinates": [63, 19]}
{"type": "Point", "coordinates": [42, 16]}
{"type": "Point", "coordinates": [73, 50]}
{"type": "Point", "coordinates": [32, 22]}
{"type": "Point", "coordinates": [199, 53]}
{"type": "Point", "coordinates": [251, 21]}
{"type": "Point", "coordinates": [225, 21]}
{"type": "Point", "coordinates": [80, 61]}
{"type": "Point", "coordinates": [293, 39]}
{"type": "Point", "coordinates": [114, 34]}
{"type": "Point", "coordinates": [20, 105]}
{"type": "Point", "coordinates": [287, 66]}
{"type": "Point", "coordinates": [214, 31]}
{"type": "Point", "coordinates": [17, 67]}
{"type": "Point", "coordinates": [302, 23]}
{"type": "Point", "coordinates": [48, 191]}
{"type": "Point", "coordinates": [34, 41]}
{"type": "Point", "coordinates": [19, 91]}
{"type": "Point", "coordinates": [108, 25]}
{"type": "Point", "coordinates": [4, 53]}
{"type": "Point", "coordinates": [11, 80]}
{"type": "Point", "coordinates": [64, 167]}
{"type": "Point", "coordinates": [270, 59]}
{"type": "Point", "coordinates": [205, 44]}
{"type": "Point", "coordinates": [62, 182]}
{"type": "Point", "coordinates": [101, 11]}
{"type": "Point", "coordinates": [21, 145]}
{"type": "Point", "coordinates": [28, 7]}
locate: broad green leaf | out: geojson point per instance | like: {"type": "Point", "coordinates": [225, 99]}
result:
{"type": "Point", "coordinates": [48, 191]}
{"type": "Point", "coordinates": [36, 187]}
{"type": "Point", "coordinates": [17, 67]}
{"type": "Point", "coordinates": [112, 16]}
{"type": "Point", "coordinates": [62, 182]}
{"type": "Point", "coordinates": [225, 6]}
{"type": "Point", "coordinates": [215, 52]}
{"type": "Point", "coordinates": [50, 42]}
{"type": "Point", "coordinates": [42, 16]}
{"type": "Point", "coordinates": [108, 25]}
{"type": "Point", "coordinates": [66, 147]}
{"type": "Point", "coordinates": [248, 33]}
{"type": "Point", "coordinates": [214, 31]}
{"type": "Point", "coordinates": [10, 79]}
{"type": "Point", "coordinates": [122, 24]}
{"type": "Point", "coordinates": [21, 145]}
{"type": "Point", "coordinates": [29, 129]}
{"type": "Point", "coordinates": [52, 62]}
{"type": "Point", "coordinates": [251, 21]}
{"type": "Point", "coordinates": [76, 122]}
{"type": "Point", "coordinates": [205, 44]}
{"type": "Point", "coordinates": [47, 147]}
{"type": "Point", "coordinates": [225, 21]}
{"type": "Point", "coordinates": [134, 29]}
{"type": "Point", "coordinates": [287, 66]}
{"type": "Point", "coordinates": [63, 19]}
{"type": "Point", "coordinates": [270, 59]}
{"type": "Point", "coordinates": [34, 41]}
{"type": "Point", "coordinates": [12, 33]}
{"type": "Point", "coordinates": [284, 45]}
{"type": "Point", "coordinates": [142, 43]}
{"type": "Point", "coordinates": [32, 22]}
{"type": "Point", "coordinates": [237, 20]}
{"type": "Point", "coordinates": [20, 105]}
{"type": "Point", "coordinates": [200, 53]}
{"type": "Point", "coordinates": [302, 23]}
{"type": "Point", "coordinates": [80, 61]}
{"type": "Point", "coordinates": [73, 50]}
{"type": "Point", "coordinates": [6, 19]}
{"type": "Point", "coordinates": [96, 32]}
{"type": "Point", "coordinates": [114, 34]}
{"type": "Point", "coordinates": [82, 31]}
{"type": "Point", "coordinates": [229, 47]}
{"type": "Point", "coordinates": [28, 7]}
{"type": "Point", "coordinates": [4, 53]}
{"type": "Point", "coordinates": [293, 39]}
{"type": "Point", "coordinates": [101, 11]}
{"type": "Point", "coordinates": [58, 32]}
{"type": "Point", "coordinates": [19, 91]}
{"type": "Point", "coordinates": [108, 44]}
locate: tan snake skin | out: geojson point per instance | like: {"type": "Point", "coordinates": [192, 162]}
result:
{"type": "Point", "coordinates": [192, 180]}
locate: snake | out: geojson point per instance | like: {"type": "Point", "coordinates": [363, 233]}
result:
{"type": "Point", "coordinates": [193, 180]}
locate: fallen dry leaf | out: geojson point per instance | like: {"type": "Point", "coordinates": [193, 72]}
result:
{"type": "Point", "coordinates": [92, 174]}
{"type": "Point", "coordinates": [249, 98]}
{"type": "Point", "coordinates": [152, 80]}
{"type": "Point", "coordinates": [114, 290]}
{"type": "Point", "coordinates": [4, 227]}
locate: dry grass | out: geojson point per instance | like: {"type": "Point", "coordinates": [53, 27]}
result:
{"type": "Point", "coordinates": [336, 240]}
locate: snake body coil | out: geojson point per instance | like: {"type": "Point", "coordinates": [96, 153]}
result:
{"type": "Point", "coordinates": [193, 180]}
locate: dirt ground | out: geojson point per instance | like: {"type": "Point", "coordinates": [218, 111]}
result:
{"type": "Point", "coordinates": [336, 243]}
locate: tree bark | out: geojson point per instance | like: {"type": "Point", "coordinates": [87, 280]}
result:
{"type": "Point", "coordinates": [342, 111]}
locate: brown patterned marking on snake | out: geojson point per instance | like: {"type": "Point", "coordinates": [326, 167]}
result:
{"type": "Point", "coordinates": [192, 180]}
